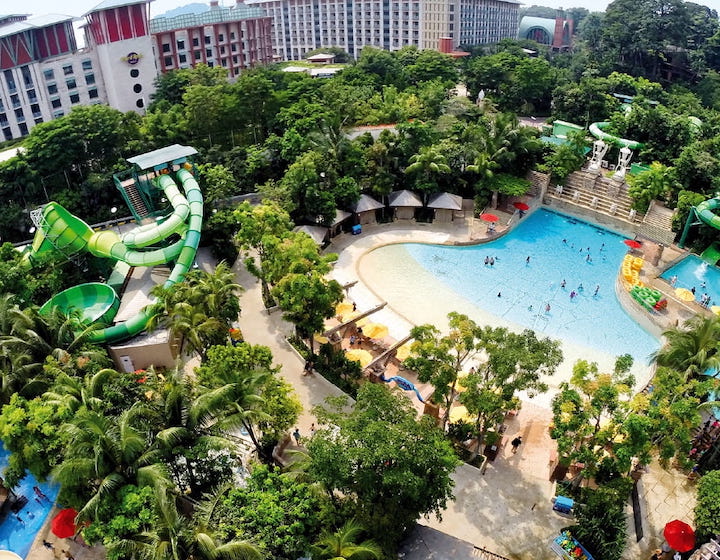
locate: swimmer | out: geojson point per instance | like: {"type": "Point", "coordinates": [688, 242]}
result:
{"type": "Point", "coordinates": [527, 261]}
{"type": "Point", "coordinates": [565, 241]}
{"type": "Point", "coordinates": [547, 308]}
{"type": "Point", "coordinates": [597, 289]}
{"type": "Point", "coordinates": [492, 261]}
{"type": "Point", "coordinates": [588, 259]}
{"type": "Point", "coordinates": [572, 294]}
{"type": "Point", "coordinates": [703, 284]}
{"type": "Point", "coordinates": [499, 294]}
{"type": "Point", "coordinates": [580, 287]}
{"type": "Point", "coordinates": [602, 247]}
{"type": "Point", "coordinates": [693, 290]}
{"type": "Point", "coordinates": [487, 260]}
{"type": "Point", "coordinates": [572, 245]}
{"type": "Point", "coordinates": [563, 283]}
{"type": "Point", "coordinates": [530, 308]}
{"type": "Point", "coordinates": [673, 280]}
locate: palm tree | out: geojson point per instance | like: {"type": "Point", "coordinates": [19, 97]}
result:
{"type": "Point", "coordinates": [73, 393]}
{"type": "Point", "coordinates": [175, 537]}
{"type": "Point", "coordinates": [104, 454]}
{"type": "Point", "coordinates": [692, 348]}
{"type": "Point", "coordinates": [427, 164]}
{"type": "Point", "coordinates": [340, 545]}
{"type": "Point", "coordinates": [184, 422]}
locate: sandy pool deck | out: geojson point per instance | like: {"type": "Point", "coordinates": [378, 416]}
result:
{"type": "Point", "coordinates": [419, 297]}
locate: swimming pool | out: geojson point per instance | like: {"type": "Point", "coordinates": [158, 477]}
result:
{"type": "Point", "coordinates": [519, 290]}
{"type": "Point", "coordinates": [692, 272]}
{"type": "Point", "coordinates": [18, 536]}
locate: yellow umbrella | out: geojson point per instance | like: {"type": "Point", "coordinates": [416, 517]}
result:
{"type": "Point", "coordinates": [350, 316]}
{"type": "Point", "coordinates": [404, 351]}
{"type": "Point", "coordinates": [343, 308]}
{"type": "Point", "coordinates": [320, 338]}
{"type": "Point", "coordinates": [715, 309]}
{"type": "Point", "coordinates": [458, 413]}
{"type": "Point", "coordinates": [375, 330]}
{"type": "Point", "coordinates": [684, 294]}
{"type": "Point", "coordinates": [359, 355]}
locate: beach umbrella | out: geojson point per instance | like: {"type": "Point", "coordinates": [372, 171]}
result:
{"type": "Point", "coordinates": [63, 524]}
{"type": "Point", "coordinates": [343, 308]}
{"type": "Point", "coordinates": [458, 413]}
{"type": "Point", "coordinates": [632, 243]}
{"type": "Point", "coordinates": [521, 206]}
{"type": "Point", "coordinates": [489, 217]}
{"type": "Point", "coordinates": [350, 316]}
{"type": "Point", "coordinates": [320, 339]}
{"type": "Point", "coordinates": [715, 309]}
{"type": "Point", "coordinates": [684, 294]}
{"type": "Point", "coordinates": [679, 535]}
{"type": "Point", "coordinates": [404, 352]}
{"type": "Point", "coordinates": [359, 355]}
{"type": "Point", "coordinates": [375, 330]}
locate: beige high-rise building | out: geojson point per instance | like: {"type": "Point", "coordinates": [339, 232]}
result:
{"type": "Point", "coordinates": [301, 26]}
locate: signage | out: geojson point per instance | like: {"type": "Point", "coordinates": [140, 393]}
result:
{"type": "Point", "coordinates": [132, 58]}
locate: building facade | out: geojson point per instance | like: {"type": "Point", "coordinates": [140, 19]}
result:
{"type": "Point", "coordinates": [235, 38]}
{"type": "Point", "coordinates": [43, 73]}
{"type": "Point", "coordinates": [301, 26]}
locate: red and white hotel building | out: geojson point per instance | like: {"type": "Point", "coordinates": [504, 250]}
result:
{"type": "Point", "coordinates": [44, 75]}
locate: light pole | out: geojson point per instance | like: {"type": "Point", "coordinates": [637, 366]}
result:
{"type": "Point", "coordinates": [113, 211]}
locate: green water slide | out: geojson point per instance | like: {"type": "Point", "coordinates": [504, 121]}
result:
{"type": "Point", "coordinates": [63, 232]}
{"type": "Point", "coordinates": [705, 212]}
{"type": "Point", "coordinates": [596, 129]}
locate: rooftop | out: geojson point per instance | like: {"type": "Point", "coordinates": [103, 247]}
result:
{"type": "Point", "coordinates": [215, 15]}
{"type": "Point", "coordinates": [163, 155]}
{"type": "Point", "coordinates": [109, 4]}
{"type": "Point", "coordinates": [37, 22]}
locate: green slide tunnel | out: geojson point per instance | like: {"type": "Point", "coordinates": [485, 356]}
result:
{"type": "Point", "coordinates": [62, 231]}
{"type": "Point", "coordinates": [596, 129]}
{"type": "Point", "coordinates": [705, 211]}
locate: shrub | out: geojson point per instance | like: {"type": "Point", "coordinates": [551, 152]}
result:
{"type": "Point", "coordinates": [707, 509]}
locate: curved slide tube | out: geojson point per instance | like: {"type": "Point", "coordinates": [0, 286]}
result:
{"type": "Point", "coordinates": [190, 243]}
{"type": "Point", "coordinates": [68, 234]}
{"type": "Point", "coordinates": [705, 212]}
{"type": "Point", "coordinates": [596, 129]}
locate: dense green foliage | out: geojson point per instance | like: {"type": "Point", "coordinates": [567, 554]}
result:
{"type": "Point", "coordinates": [707, 509]}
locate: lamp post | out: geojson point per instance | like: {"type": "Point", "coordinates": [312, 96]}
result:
{"type": "Point", "coordinates": [113, 211]}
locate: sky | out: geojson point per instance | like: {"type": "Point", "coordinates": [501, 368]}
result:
{"type": "Point", "coordinates": [79, 7]}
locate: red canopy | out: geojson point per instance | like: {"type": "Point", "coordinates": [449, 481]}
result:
{"type": "Point", "coordinates": [489, 218]}
{"type": "Point", "coordinates": [521, 206]}
{"type": "Point", "coordinates": [63, 524]}
{"type": "Point", "coordinates": [679, 535]}
{"type": "Point", "coordinates": [632, 243]}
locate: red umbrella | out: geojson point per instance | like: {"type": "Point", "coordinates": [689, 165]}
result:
{"type": "Point", "coordinates": [521, 206]}
{"type": "Point", "coordinates": [63, 524]}
{"type": "Point", "coordinates": [632, 243]}
{"type": "Point", "coordinates": [489, 218]}
{"type": "Point", "coordinates": [679, 535]}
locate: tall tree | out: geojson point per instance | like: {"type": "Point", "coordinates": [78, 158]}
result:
{"type": "Point", "coordinates": [691, 348]}
{"type": "Point", "coordinates": [390, 467]}
{"type": "Point", "coordinates": [341, 544]}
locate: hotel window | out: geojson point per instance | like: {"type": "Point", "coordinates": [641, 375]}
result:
{"type": "Point", "coordinates": [7, 133]}
{"type": "Point", "coordinates": [15, 100]}
{"type": "Point", "coordinates": [67, 70]}
{"type": "Point", "coordinates": [56, 103]}
{"type": "Point", "coordinates": [181, 45]}
{"type": "Point", "coordinates": [58, 114]}
{"type": "Point", "coordinates": [221, 37]}
{"type": "Point", "coordinates": [32, 96]}
{"type": "Point", "coordinates": [207, 39]}
{"type": "Point", "coordinates": [10, 80]}
{"type": "Point", "coordinates": [89, 79]}
{"type": "Point", "coordinates": [93, 93]}
{"type": "Point", "coordinates": [19, 115]}
{"type": "Point", "coordinates": [23, 129]}
{"type": "Point", "coordinates": [167, 61]}
{"type": "Point", "coordinates": [196, 42]}
{"type": "Point", "coordinates": [49, 74]}
{"type": "Point", "coordinates": [3, 119]}
{"type": "Point", "coordinates": [166, 47]}
{"type": "Point", "coordinates": [87, 64]}
{"type": "Point", "coordinates": [75, 98]}
{"type": "Point", "coordinates": [27, 76]}
{"type": "Point", "coordinates": [71, 84]}
{"type": "Point", "coordinates": [182, 58]}
{"type": "Point", "coordinates": [197, 55]}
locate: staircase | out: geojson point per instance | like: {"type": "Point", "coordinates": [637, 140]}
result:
{"type": "Point", "coordinates": [657, 224]}
{"type": "Point", "coordinates": [133, 197]}
{"type": "Point", "coordinates": [596, 193]}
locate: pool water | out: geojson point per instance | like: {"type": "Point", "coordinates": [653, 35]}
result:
{"type": "Point", "coordinates": [691, 272]}
{"type": "Point", "coordinates": [520, 291]}
{"type": "Point", "coordinates": [18, 536]}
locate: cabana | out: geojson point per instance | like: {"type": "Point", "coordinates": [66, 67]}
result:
{"type": "Point", "coordinates": [336, 225]}
{"type": "Point", "coordinates": [365, 209]}
{"type": "Point", "coordinates": [318, 234]}
{"type": "Point", "coordinates": [445, 206]}
{"type": "Point", "coordinates": [404, 203]}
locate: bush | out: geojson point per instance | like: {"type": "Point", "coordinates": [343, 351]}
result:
{"type": "Point", "coordinates": [707, 509]}
{"type": "Point", "coordinates": [602, 524]}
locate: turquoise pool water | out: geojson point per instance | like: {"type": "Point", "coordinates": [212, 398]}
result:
{"type": "Point", "coordinates": [693, 272]}
{"type": "Point", "coordinates": [18, 536]}
{"type": "Point", "coordinates": [520, 291]}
